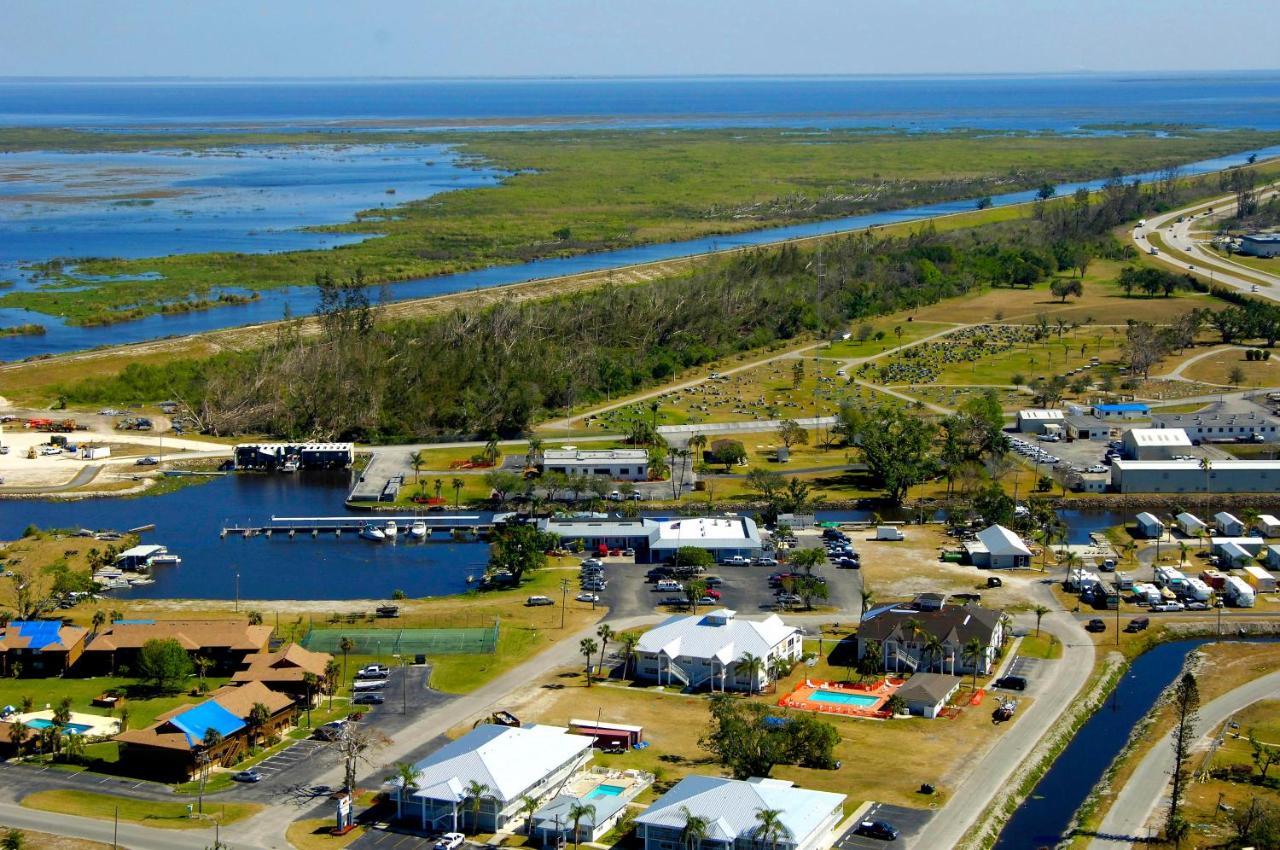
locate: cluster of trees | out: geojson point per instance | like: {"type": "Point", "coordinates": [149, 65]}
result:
{"type": "Point", "coordinates": [748, 738]}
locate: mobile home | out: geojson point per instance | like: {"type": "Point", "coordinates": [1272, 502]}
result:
{"type": "Point", "coordinates": [1191, 525]}
{"type": "Point", "coordinates": [1258, 578]}
{"type": "Point", "coordinates": [1267, 526]}
{"type": "Point", "coordinates": [1228, 525]}
{"type": "Point", "coordinates": [1150, 526]}
{"type": "Point", "coordinates": [1238, 593]}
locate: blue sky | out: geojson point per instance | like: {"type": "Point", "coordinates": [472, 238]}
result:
{"type": "Point", "coordinates": [244, 38]}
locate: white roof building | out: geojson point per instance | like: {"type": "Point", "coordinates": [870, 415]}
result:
{"type": "Point", "coordinates": [1155, 443]}
{"type": "Point", "coordinates": [730, 807]}
{"type": "Point", "coordinates": [714, 533]}
{"type": "Point", "coordinates": [1034, 420]}
{"type": "Point", "coordinates": [999, 548]}
{"type": "Point", "coordinates": [705, 649]}
{"type": "Point", "coordinates": [623, 464]}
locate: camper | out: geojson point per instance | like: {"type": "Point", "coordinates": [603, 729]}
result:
{"type": "Point", "coordinates": [1259, 579]}
{"type": "Point", "coordinates": [1238, 593]}
{"type": "Point", "coordinates": [888, 532]}
{"type": "Point", "coordinates": [1148, 593]}
{"type": "Point", "coordinates": [1214, 578]}
{"type": "Point", "coordinates": [1171, 578]}
{"type": "Point", "coordinates": [1197, 590]}
{"type": "Point", "coordinates": [1267, 526]}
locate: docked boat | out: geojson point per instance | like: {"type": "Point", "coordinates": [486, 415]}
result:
{"type": "Point", "coordinates": [390, 530]}
{"type": "Point", "coordinates": [418, 530]}
{"type": "Point", "coordinates": [372, 532]}
{"type": "Point", "coordinates": [165, 559]}
{"type": "Point", "coordinates": [291, 464]}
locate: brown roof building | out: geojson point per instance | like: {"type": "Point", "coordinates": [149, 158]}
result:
{"type": "Point", "coordinates": [42, 647]}
{"type": "Point", "coordinates": [224, 642]}
{"type": "Point", "coordinates": [904, 637]}
{"type": "Point", "coordinates": [173, 745]}
{"type": "Point", "coordinates": [284, 670]}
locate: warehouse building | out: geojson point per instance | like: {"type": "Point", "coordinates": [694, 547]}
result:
{"type": "Point", "coordinates": [1081, 427]}
{"type": "Point", "coordinates": [614, 464]}
{"type": "Point", "coordinates": [1155, 443]}
{"type": "Point", "coordinates": [657, 540]}
{"type": "Point", "coordinates": [1033, 421]}
{"type": "Point", "coordinates": [269, 456]}
{"type": "Point", "coordinates": [1228, 422]}
{"type": "Point", "coordinates": [1122, 410]}
{"type": "Point", "coordinates": [1260, 245]}
{"type": "Point", "coordinates": [1186, 476]}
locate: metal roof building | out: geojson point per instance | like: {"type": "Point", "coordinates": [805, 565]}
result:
{"type": "Point", "coordinates": [656, 540]}
{"type": "Point", "coordinates": [996, 547]}
{"type": "Point", "coordinates": [705, 650]}
{"type": "Point", "coordinates": [1186, 476]}
{"type": "Point", "coordinates": [1155, 443]}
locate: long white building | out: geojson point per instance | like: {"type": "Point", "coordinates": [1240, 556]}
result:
{"type": "Point", "coordinates": [707, 650]}
{"type": "Point", "coordinates": [1186, 476]}
{"type": "Point", "coordinates": [615, 464]}
{"type": "Point", "coordinates": [658, 540]}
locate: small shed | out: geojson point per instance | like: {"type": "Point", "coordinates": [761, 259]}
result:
{"type": "Point", "coordinates": [926, 694]}
{"type": "Point", "coordinates": [1267, 526]}
{"type": "Point", "coordinates": [996, 547]}
{"type": "Point", "coordinates": [1228, 525]}
{"type": "Point", "coordinates": [1150, 526]}
{"type": "Point", "coordinates": [608, 734]}
{"type": "Point", "coordinates": [1191, 525]}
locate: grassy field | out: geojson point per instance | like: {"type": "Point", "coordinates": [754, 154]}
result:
{"type": "Point", "coordinates": [313, 834]}
{"type": "Point", "coordinates": [47, 841]}
{"type": "Point", "coordinates": [1217, 370]}
{"type": "Point", "coordinates": [893, 332]}
{"type": "Point", "coordinates": [663, 185]}
{"type": "Point", "coordinates": [149, 813]}
{"type": "Point", "coordinates": [143, 706]}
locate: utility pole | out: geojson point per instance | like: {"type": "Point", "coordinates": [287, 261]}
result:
{"type": "Point", "coordinates": [115, 831]}
{"type": "Point", "coordinates": [564, 597]}
{"type": "Point", "coordinates": [238, 594]}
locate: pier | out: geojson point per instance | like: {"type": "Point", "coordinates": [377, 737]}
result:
{"type": "Point", "coordinates": [292, 527]}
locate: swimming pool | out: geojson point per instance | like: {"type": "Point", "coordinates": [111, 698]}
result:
{"type": "Point", "coordinates": [605, 791]}
{"type": "Point", "coordinates": [70, 728]}
{"type": "Point", "coordinates": [844, 698]}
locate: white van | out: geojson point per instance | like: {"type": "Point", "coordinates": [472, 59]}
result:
{"type": "Point", "coordinates": [889, 532]}
{"type": "Point", "coordinates": [667, 584]}
{"type": "Point", "coordinates": [365, 685]}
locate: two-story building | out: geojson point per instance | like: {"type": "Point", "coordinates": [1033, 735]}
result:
{"type": "Point", "coordinates": [714, 651]}
{"type": "Point", "coordinates": [903, 637]}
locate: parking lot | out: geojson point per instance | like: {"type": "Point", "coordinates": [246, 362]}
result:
{"type": "Point", "coordinates": [391, 838]}
{"type": "Point", "coordinates": [909, 822]}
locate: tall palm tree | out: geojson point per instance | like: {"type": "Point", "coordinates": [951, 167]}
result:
{"type": "Point", "coordinates": [698, 444]}
{"type": "Point", "coordinates": [438, 486]}
{"type": "Point", "coordinates": [331, 673]}
{"type": "Point", "coordinates": [868, 600]}
{"type": "Point", "coordinates": [628, 641]}
{"type": "Point", "coordinates": [309, 681]}
{"type": "Point", "coordinates": [605, 634]}
{"type": "Point", "coordinates": [1249, 516]}
{"type": "Point", "coordinates": [1206, 466]}
{"type": "Point", "coordinates": [72, 747]}
{"type": "Point", "coordinates": [1182, 553]}
{"type": "Point", "coordinates": [457, 485]}
{"type": "Point", "coordinates": [99, 620]}
{"type": "Point", "coordinates": [529, 805]}
{"type": "Point", "coordinates": [1040, 611]}
{"type": "Point", "coordinates": [588, 648]}
{"type": "Point", "coordinates": [407, 777]}
{"type": "Point", "coordinates": [259, 714]}
{"type": "Point", "coordinates": [695, 829]}
{"type": "Point", "coordinates": [18, 736]}
{"type": "Point", "coordinates": [770, 828]}
{"type": "Point", "coordinates": [751, 665]}
{"type": "Point", "coordinates": [934, 650]}
{"type": "Point", "coordinates": [476, 793]}
{"type": "Point", "coordinates": [211, 741]}
{"type": "Point", "coordinates": [972, 653]}
{"type": "Point", "coordinates": [576, 813]}
{"type": "Point", "coordinates": [346, 645]}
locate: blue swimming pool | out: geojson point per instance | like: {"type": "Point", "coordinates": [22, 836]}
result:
{"type": "Point", "coordinates": [70, 728]}
{"type": "Point", "coordinates": [844, 698]}
{"type": "Point", "coordinates": [605, 791]}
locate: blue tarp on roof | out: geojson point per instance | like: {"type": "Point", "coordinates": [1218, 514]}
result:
{"type": "Point", "coordinates": [1124, 406]}
{"type": "Point", "coordinates": [199, 719]}
{"type": "Point", "coordinates": [39, 633]}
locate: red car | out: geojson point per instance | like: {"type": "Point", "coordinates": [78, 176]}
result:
{"type": "Point", "coordinates": [713, 593]}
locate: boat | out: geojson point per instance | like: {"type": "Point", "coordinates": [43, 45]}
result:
{"type": "Point", "coordinates": [372, 532]}
{"type": "Point", "coordinates": [391, 529]}
{"type": "Point", "coordinates": [166, 559]}
{"type": "Point", "coordinates": [291, 464]}
{"type": "Point", "coordinates": [418, 530]}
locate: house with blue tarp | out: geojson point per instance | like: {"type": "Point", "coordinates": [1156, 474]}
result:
{"type": "Point", "coordinates": [1122, 410]}
{"type": "Point", "coordinates": [222, 728]}
{"type": "Point", "coordinates": [39, 647]}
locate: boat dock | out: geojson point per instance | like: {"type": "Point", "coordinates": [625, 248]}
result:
{"type": "Point", "coordinates": [291, 527]}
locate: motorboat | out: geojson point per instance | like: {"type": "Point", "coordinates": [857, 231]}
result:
{"type": "Point", "coordinates": [165, 559]}
{"type": "Point", "coordinates": [391, 529]}
{"type": "Point", "coordinates": [372, 532]}
{"type": "Point", "coordinates": [418, 531]}
{"type": "Point", "coordinates": [291, 464]}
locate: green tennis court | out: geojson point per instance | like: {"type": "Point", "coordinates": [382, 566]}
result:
{"type": "Point", "coordinates": [405, 641]}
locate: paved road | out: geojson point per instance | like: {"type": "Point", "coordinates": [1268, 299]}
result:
{"type": "Point", "coordinates": [1137, 800]}
{"type": "Point", "coordinates": [1059, 684]}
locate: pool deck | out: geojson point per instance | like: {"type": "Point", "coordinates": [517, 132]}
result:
{"type": "Point", "coordinates": [802, 697]}
{"type": "Point", "coordinates": [99, 726]}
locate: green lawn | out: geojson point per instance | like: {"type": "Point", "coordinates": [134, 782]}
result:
{"type": "Point", "coordinates": [149, 813]}
{"type": "Point", "coordinates": [855, 348]}
{"type": "Point", "coordinates": [1041, 646]}
{"type": "Point", "coordinates": [142, 706]}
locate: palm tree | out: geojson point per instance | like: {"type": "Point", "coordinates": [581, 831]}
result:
{"type": "Point", "coordinates": [331, 673]}
{"type": "Point", "coordinates": [346, 645]}
{"type": "Point", "coordinates": [628, 641]}
{"type": "Point", "coordinates": [491, 451]}
{"type": "Point", "coordinates": [588, 648]}
{"type": "Point", "coordinates": [698, 444]}
{"type": "Point", "coordinates": [972, 653]}
{"type": "Point", "coordinates": [605, 634]}
{"type": "Point", "coordinates": [577, 812]}
{"type": "Point", "coordinates": [310, 680]}
{"type": "Point", "coordinates": [1206, 466]}
{"type": "Point", "coordinates": [751, 665]}
{"type": "Point", "coordinates": [1128, 547]}
{"type": "Point", "coordinates": [457, 485]}
{"type": "Point", "coordinates": [770, 828]}
{"type": "Point", "coordinates": [868, 600]}
{"type": "Point", "coordinates": [202, 664]}
{"type": "Point", "coordinates": [529, 805]}
{"type": "Point", "coordinates": [212, 739]}
{"type": "Point", "coordinates": [438, 484]}
{"type": "Point", "coordinates": [18, 735]}
{"type": "Point", "coordinates": [417, 465]}
{"type": "Point", "coordinates": [1182, 553]}
{"type": "Point", "coordinates": [124, 720]}
{"type": "Point", "coordinates": [72, 747]}
{"type": "Point", "coordinates": [695, 829]}
{"type": "Point", "coordinates": [407, 777]}
{"type": "Point", "coordinates": [259, 714]}
{"type": "Point", "coordinates": [1250, 517]}
{"type": "Point", "coordinates": [476, 793]}
{"type": "Point", "coordinates": [1040, 611]}
{"type": "Point", "coordinates": [934, 649]}
{"type": "Point", "coordinates": [99, 620]}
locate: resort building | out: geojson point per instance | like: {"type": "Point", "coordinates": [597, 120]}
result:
{"type": "Point", "coordinates": [655, 541]}
{"type": "Point", "coordinates": [998, 548]}
{"type": "Point", "coordinates": [39, 647]}
{"type": "Point", "coordinates": [729, 806]}
{"type": "Point", "coordinates": [285, 670]}
{"type": "Point", "coordinates": [904, 638]}
{"type": "Point", "coordinates": [512, 762]}
{"type": "Point", "coordinates": [708, 650]}
{"type": "Point", "coordinates": [1033, 421]}
{"type": "Point", "coordinates": [226, 643]}
{"type": "Point", "coordinates": [615, 464]}
{"type": "Point", "coordinates": [927, 694]}
{"type": "Point", "coordinates": [1187, 476]}
{"type": "Point", "coordinates": [174, 746]}
{"type": "Point", "coordinates": [607, 792]}
{"type": "Point", "coordinates": [1155, 443]}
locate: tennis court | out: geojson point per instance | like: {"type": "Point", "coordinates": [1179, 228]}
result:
{"type": "Point", "coordinates": [405, 641]}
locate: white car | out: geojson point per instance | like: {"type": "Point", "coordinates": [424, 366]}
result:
{"type": "Point", "coordinates": [1169, 606]}
{"type": "Point", "coordinates": [587, 597]}
{"type": "Point", "coordinates": [450, 841]}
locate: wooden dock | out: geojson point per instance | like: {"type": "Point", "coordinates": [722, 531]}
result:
{"type": "Point", "coordinates": [292, 527]}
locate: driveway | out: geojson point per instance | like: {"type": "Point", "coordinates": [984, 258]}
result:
{"type": "Point", "coordinates": [910, 822]}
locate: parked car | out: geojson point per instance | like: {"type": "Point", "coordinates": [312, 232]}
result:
{"type": "Point", "coordinates": [788, 599]}
{"type": "Point", "coordinates": [736, 561]}
{"type": "Point", "coordinates": [587, 597]}
{"type": "Point", "coordinates": [766, 562]}
{"type": "Point", "coordinates": [877, 829]}
{"type": "Point", "coordinates": [1169, 606]}
{"type": "Point", "coordinates": [250, 775]}
{"type": "Point", "coordinates": [1197, 606]}
{"type": "Point", "coordinates": [1096, 625]}
{"type": "Point", "coordinates": [1137, 624]}
{"type": "Point", "coordinates": [635, 497]}
{"type": "Point", "coordinates": [450, 841]}
{"type": "Point", "coordinates": [598, 584]}
{"type": "Point", "coordinates": [146, 461]}
{"type": "Point", "coordinates": [535, 601]}
{"type": "Point", "coordinates": [373, 671]}
{"type": "Point", "coordinates": [368, 698]}
{"type": "Point", "coordinates": [706, 600]}
{"type": "Point", "coordinates": [331, 730]}
{"type": "Point", "coordinates": [849, 563]}
{"type": "Point", "coordinates": [615, 496]}
{"type": "Point", "coordinates": [712, 581]}
{"type": "Point", "coordinates": [1012, 683]}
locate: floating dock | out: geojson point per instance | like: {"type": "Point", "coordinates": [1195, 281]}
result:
{"type": "Point", "coordinates": [336, 525]}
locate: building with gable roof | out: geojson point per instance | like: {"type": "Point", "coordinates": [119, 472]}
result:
{"type": "Point", "coordinates": [904, 638]}
{"type": "Point", "coordinates": [42, 647]}
{"type": "Point", "coordinates": [708, 650]}
{"type": "Point", "coordinates": [809, 818]}
{"type": "Point", "coordinates": [512, 762]}
{"type": "Point", "coordinates": [174, 746]}
{"type": "Point", "coordinates": [224, 642]}
{"type": "Point", "coordinates": [285, 671]}
{"type": "Point", "coordinates": [998, 548]}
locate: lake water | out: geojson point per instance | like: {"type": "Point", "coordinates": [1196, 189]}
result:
{"type": "Point", "coordinates": [189, 520]}
{"type": "Point", "coordinates": [253, 199]}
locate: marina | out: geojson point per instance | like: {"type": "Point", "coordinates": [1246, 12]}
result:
{"type": "Point", "coordinates": [389, 527]}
